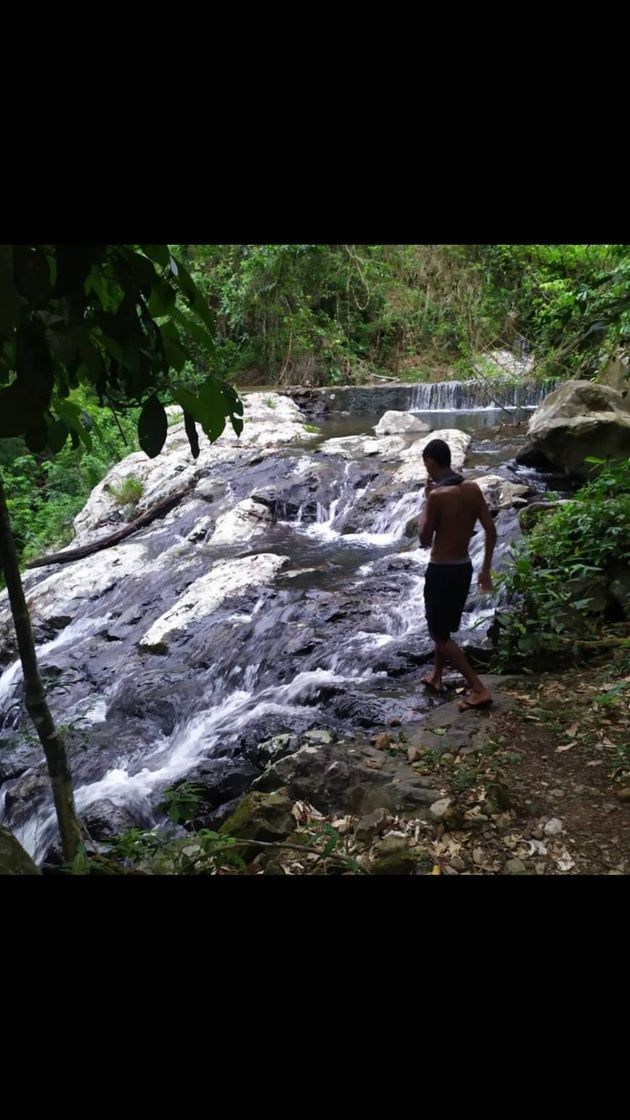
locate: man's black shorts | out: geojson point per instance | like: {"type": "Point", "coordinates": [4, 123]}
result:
{"type": "Point", "coordinates": [446, 588]}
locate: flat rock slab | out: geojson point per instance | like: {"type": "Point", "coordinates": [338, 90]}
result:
{"type": "Point", "coordinates": [445, 728]}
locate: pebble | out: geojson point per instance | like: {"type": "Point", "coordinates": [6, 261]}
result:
{"type": "Point", "coordinates": [556, 793]}
{"type": "Point", "coordinates": [458, 863]}
{"type": "Point", "coordinates": [439, 809]}
{"type": "Point", "coordinates": [553, 827]}
{"type": "Point", "coordinates": [515, 867]}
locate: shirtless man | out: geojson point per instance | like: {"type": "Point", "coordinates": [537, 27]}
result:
{"type": "Point", "coordinates": [447, 523]}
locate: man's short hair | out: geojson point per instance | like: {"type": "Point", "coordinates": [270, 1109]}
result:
{"type": "Point", "coordinates": [438, 450]}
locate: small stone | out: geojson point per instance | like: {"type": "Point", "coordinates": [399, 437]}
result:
{"type": "Point", "coordinates": [399, 863]}
{"type": "Point", "coordinates": [624, 794]}
{"type": "Point", "coordinates": [372, 824]}
{"type": "Point", "coordinates": [413, 754]}
{"type": "Point", "coordinates": [458, 863]}
{"type": "Point", "coordinates": [515, 867]}
{"type": "Point", "coordinates": [553, 827]}
{"type": "Point", "coordinates": [608, 807]}
{"type": "Point", "coordinates": [615, 871]}
{"type": "Point", "coordinates": [478, 856]}
{"type": "Point", "coordinates": [439, 809]}
{"type": "Point", "coordinates": [540, 868]}
{"type": "Point", "coordinates": [556, 793]}
{"type": "Point", "coordinates": [450, 870]}
{"type": "Point", "coordinates": [389, 845]}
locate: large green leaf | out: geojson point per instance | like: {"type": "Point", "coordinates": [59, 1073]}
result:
{"type": "Point", "coordinates": [197, 301]}
{"type": "Point", "coordinates": [152, 427]}
{"type": "Point", "coordinates": [195, 330]}
{"type": "Point", "coordinates": [158, 253]}
{"type": "Point", "coordinates": [214, 408]}
{"type": "Point", "coordinates": [58, 433]}
{"type": "Point", "coordinates": [36, 438]}
{"type": "Point", "coordinates": [162, 299]}
{"type": "Point", "coordinates": [74, 263]}
{"type": "Point", "coordinates": [71, 413]}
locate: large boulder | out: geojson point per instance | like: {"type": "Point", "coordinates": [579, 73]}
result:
{"type": "Point", "coordinates": [394, 423]}
{"type": "Point", "coordinates": [414, 470]}
{"type": "Point", "coordinates": [580, 419]}
{"type": "Point", "coordinates": [13, 859]}
{"type": "Point", "coordinates": [500, 493]}
{"type": "Point", "coordinates": [245, 521]}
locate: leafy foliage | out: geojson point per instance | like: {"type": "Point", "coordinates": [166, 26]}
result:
{"type": "Point", "coordinates": [562, 564]}
{"type": "Point", "coordinates": [106, 317]}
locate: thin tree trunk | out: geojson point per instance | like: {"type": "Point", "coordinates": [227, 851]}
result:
{"type": "Point", "coordinates": [35, 699]}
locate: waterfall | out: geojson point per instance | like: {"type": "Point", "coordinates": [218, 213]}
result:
{"type": "Point", "coordinates": [448, 396]}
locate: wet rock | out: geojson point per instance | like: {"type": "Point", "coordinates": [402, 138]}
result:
{"type": "Point", "coordinates": [149, 694]}
{"type": "Point", "coordinates": [317, 736]}
{"type": "Point", "coordinates": [226, 579]}
{"type": "Point", "coordinates": [498, 492]}
{"type": "Point", "coordinates": [261, 816]}
{"type": "Point", "coordinates": [206, 489]}
{"type": "Point", "coordinates": [14, 860]}
{"type": "Point", "coordinates": [531, 456]}
{"type": "Point", "coordinates": [385, 448]}
{"type": "Point", "coordinates": [248, 519]}
{"type": "Point", "coordinates": [396, 423]}
{"type": "Point", "coordinates": [220, 781]}
{"type": "Point", "coordinates": [277, 747]}
{"type": "Point", "coordinates": [105, 819]}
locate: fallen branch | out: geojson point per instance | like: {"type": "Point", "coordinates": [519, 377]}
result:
{"type": "Point", "coordinates": [599, 643]}
{"type": "Point", "coordinates": [113, 538]}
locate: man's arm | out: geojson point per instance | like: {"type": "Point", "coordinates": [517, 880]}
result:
{"type": "Point", "coordinates": [484, 515]}
{"type": "Point", "coordinates": [428, 521]}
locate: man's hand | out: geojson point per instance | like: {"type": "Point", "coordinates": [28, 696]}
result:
{"type": "Point", "coordinates": [485, 580]}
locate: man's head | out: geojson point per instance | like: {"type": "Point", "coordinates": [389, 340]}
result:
{"type": "Point", "coordinates": [437, 458]}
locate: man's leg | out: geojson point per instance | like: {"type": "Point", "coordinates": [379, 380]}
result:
{"type": "Point", "coordinates": [447, 648]}
{"type": "Point", "coordinates": [434, 679]}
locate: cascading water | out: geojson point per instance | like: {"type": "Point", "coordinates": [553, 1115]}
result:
{"type": "Point", "coordinates": [446, 396]}
{"type": "Point", "coordinates": [340, 615]}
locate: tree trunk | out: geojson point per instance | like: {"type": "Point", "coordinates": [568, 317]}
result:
{"type": "Point", "coordinates": [54, 749]}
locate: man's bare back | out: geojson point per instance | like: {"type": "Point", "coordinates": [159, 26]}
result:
{"type": "Point", "coordinates": [453, 510]}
